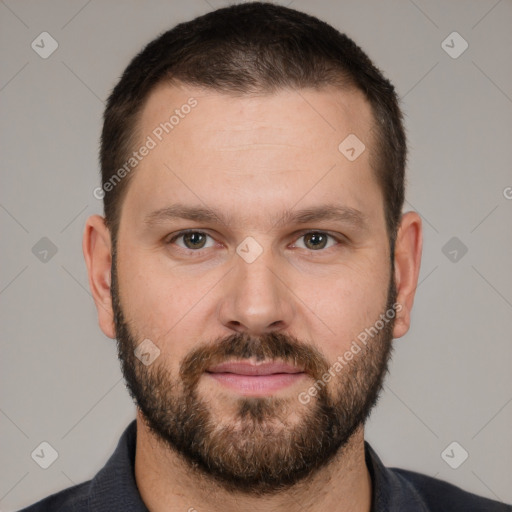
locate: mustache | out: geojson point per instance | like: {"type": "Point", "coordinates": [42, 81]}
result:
{"type": "Point", "coordinates": [239, 346]}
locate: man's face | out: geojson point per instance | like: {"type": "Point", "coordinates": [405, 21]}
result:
{"type": "Point", "coordinates": [295, 293]}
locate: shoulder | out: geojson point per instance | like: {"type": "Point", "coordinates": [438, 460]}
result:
{"type": "Point", "coordinates": [112, 488]}
{"type": "Point", "coordinates": [441, 496]}
{"type": "Point", "coordinates": [72, 499]}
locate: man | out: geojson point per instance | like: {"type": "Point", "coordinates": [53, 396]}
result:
{"type": "Point", "coordinates": [254, 266]}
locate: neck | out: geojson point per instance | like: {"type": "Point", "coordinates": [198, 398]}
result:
{"type": "Point", "coordinates": [166, 483]}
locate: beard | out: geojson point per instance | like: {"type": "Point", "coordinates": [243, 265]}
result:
{"type": "Point", "coordinates": [265, 444]}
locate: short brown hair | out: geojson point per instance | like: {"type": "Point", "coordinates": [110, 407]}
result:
{"type": "Point", "coordinates": [248, 48]}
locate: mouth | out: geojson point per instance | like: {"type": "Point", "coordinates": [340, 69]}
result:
{"type": "Point", "coordinates": [251, 379]}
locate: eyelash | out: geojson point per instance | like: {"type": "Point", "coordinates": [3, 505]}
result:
{"type": "Point", "coordinates": [180, 234]}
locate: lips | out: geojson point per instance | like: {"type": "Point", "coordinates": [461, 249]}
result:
{"type": "Point", "coordinates": [250, 369]}
{"type": "Point", "coordinates": [249, 379]}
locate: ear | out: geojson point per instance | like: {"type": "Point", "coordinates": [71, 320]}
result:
{"type": "Point", "coordinates": [408, 247]}
{"type": "Point", "coordinates": [96, 246]}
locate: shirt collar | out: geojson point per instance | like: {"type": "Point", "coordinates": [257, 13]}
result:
{"type": "Point", "coordinates": [114, 487]}
{"type": "Point", "coordinates": [390, 490]}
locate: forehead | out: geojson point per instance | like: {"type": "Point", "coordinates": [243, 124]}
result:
{"type": "Point", "coordinates": [253, 152]}
{"type": "Point", "coordinates": [310, 114]}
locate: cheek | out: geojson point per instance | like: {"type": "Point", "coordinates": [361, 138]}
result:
{"type": "Point", "coordinates": [155, 291]}
{"type": "Point", "coordinates": [167, 306]}
{"type": "Point", "coordinates": [153, 304]}
{"type": "Point", "coordinates": [345, 304]}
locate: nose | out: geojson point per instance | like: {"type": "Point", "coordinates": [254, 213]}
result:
{"type": "Point", "coordinates": [256, 298]}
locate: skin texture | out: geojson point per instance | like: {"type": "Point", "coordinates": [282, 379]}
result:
{"type": "Point", "coordinates": [252, 158]}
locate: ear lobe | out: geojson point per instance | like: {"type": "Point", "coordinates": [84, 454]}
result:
{"type": "Point", "coordinates": [96, 246]}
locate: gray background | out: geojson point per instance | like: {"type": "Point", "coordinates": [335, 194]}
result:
{"type": "Point", "coordinates": [450, 375]}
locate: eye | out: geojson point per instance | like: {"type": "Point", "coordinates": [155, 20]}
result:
{"type": "Point", "coordinates": [193, 240]}
{"type": "Point", "coordinates": [196, 240]}
{"type": "Point", "coordinates": [317, 240]}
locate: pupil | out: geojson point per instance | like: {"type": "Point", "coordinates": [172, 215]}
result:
{"type": "Point", "coordinates": [192, 237]}
{"type": "Point", "coordinates": [317, 235]}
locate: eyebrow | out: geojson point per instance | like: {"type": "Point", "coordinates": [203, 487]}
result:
{"type": "Point", "coordinates": [327, 212]}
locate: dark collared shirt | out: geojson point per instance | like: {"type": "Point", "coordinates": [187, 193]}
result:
{"type": "Point", "coordinates": [114, 488]}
